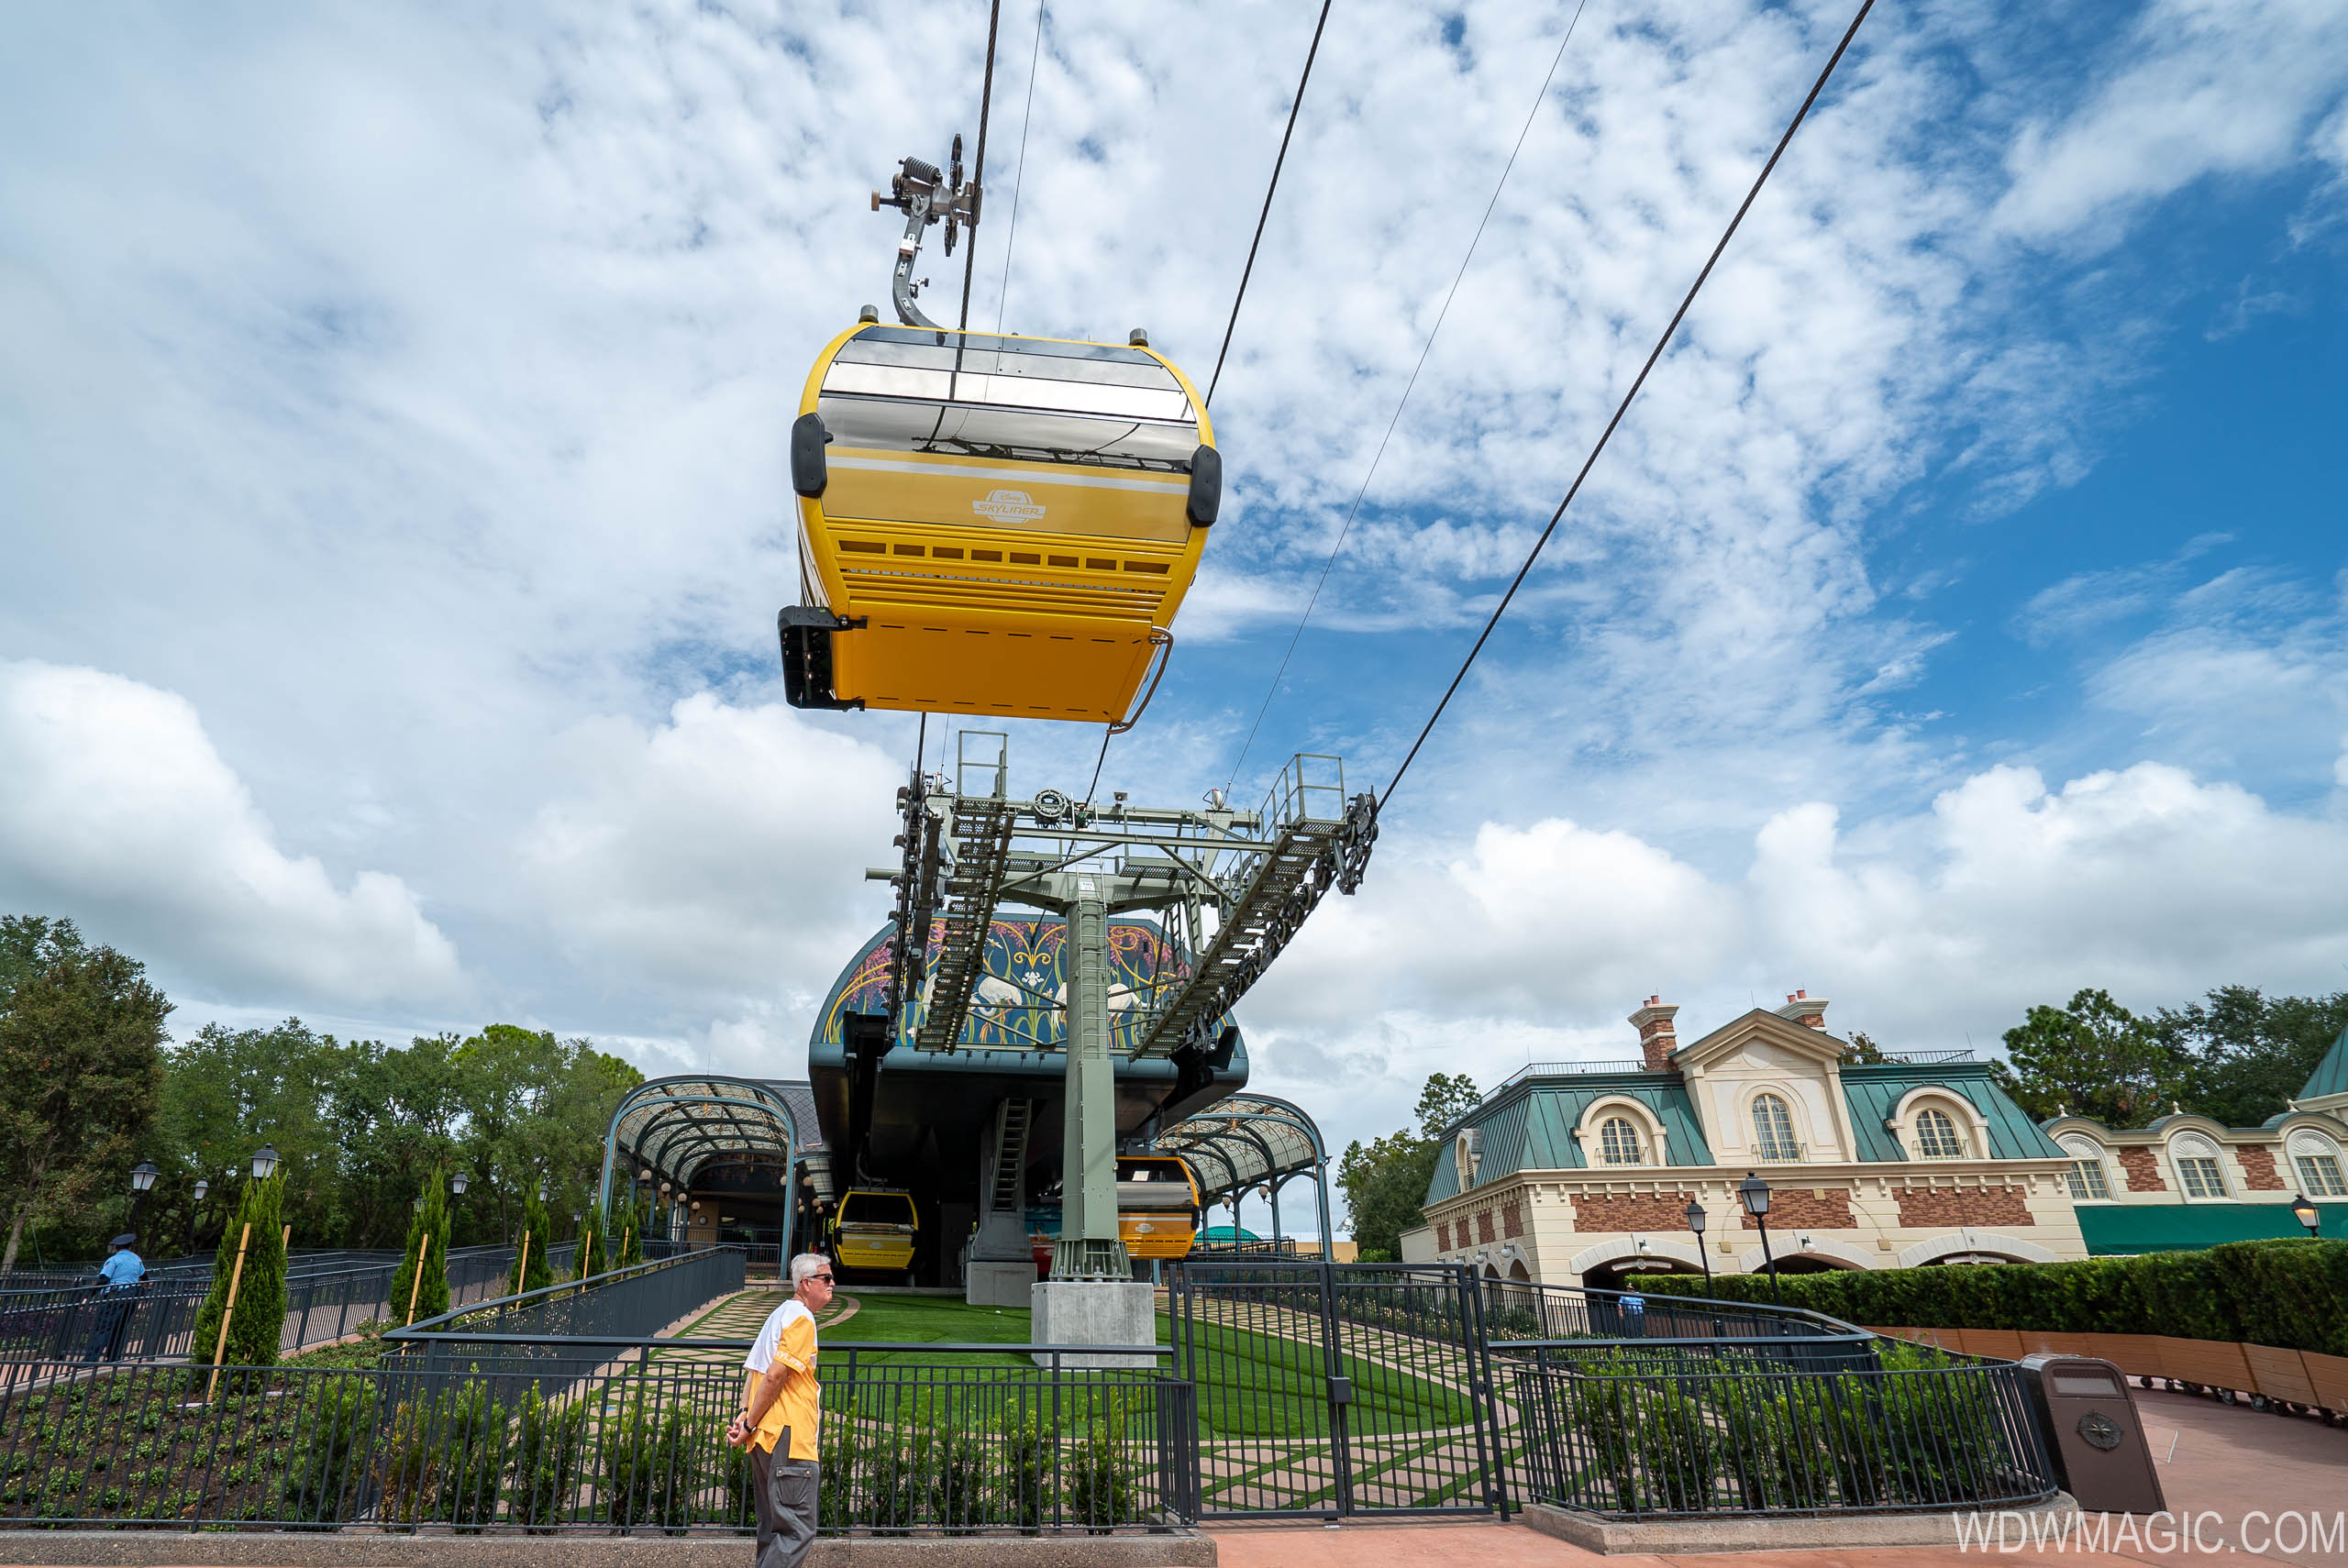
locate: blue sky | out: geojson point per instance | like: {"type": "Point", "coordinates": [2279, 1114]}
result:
{"type": "Point", "coordinates": [392, 404]}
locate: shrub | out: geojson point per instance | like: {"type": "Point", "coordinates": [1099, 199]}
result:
{"type": "Point", "coordinates": [531, 1270]}
{"type": "Point", "coordinates": [2289, 1293]}
{"type": "Point", "coordinates": [1102, 1486]}
{"type": "Point", "coordinates": [649, 1459]}
{"type": "Point", "coordinates": [594, 1251]}
{"type": "Point", "coordinates": [259, 1317]}
{"type": "Point", "coordinates": [321, 1478]}
{"type": "Point", "coordinates": [427, 1242]}
{"type": "Point", "coordinates": [548, 1438]}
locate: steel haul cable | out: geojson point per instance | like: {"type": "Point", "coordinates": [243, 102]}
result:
{"type": "Point", "coordinates": [1248, 271]}
{"type": "Point", "coordinates": [1295, 106]}
{"type": "Point", "coordinates": [1019, 180]}
{"type": "Point", "coordinates": [1624, 406]}
{"type": "Point", "coordinates": [979, 167]}
{"type": "Point", "coordinates": [1424, 349]}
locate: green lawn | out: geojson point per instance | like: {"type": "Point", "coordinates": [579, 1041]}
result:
{"type": "Point", "coordinates": [1250, 1385]}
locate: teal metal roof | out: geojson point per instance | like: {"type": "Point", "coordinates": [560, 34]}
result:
{"type": "Point", "coordinates": [1530, 1125]}
{"type": "Point", "coordinates": [2331, 1074]}
{"type": "Point", "coordinates": [1872, 1089]}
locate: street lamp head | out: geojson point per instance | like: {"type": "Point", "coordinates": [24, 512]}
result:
{"type": "Point", "coordinates": [202, 1187]}
{"type": "Point", "coordinates": [1696, 1218]}
{"type": "Point", "coordinates": [143, 1175]}
{"type": "Point", "coordinates": [542, 1192]}
{"type": "Point", "coordinates": [458, 1183]}
{"type": "Point", "coordinates": [264, 1162]}
{"type": "Point", "coordinates": [418, 1204]}
{"type": "Point", "coordinates": [2306, 1213]}
{"type": "Point", "coordinates": [1754, 1193]}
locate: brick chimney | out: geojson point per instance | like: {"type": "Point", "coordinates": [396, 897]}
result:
{"type": "Point", "coordinates": [1805, 1008]}
{"type": "Point", "coordinates": [1658, 1039]}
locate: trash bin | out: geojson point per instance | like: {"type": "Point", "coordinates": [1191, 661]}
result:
{"type": "Point", "coordinates": [2093, 1434]}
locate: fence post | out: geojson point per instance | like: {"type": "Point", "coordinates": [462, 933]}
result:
{"type": "Point", "coordinates": [228, 1310]}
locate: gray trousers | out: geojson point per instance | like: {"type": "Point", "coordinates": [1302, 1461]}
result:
{"type": "Point", "coordinates": [784, 1489]}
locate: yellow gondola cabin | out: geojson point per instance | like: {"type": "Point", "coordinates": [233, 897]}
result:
{"type": "Point", "coordinates": [992, 525]}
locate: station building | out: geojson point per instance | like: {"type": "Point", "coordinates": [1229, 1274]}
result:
{"type": "Point", "coordinates": [1581, 1173]}
{"type": "Point", "coordinates": [2185, 1181]}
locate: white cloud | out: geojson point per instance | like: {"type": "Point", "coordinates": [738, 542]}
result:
{"type": "Point", "coordinates": [717, 858]}
{"type": "Point", "coordinates": [120, 812]}
{"type": "Point", "coordinates": [2207, 87]}
{"type": "Point", "coordinates": [1928, 930]}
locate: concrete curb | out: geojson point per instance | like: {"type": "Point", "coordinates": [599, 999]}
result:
{"type": "Point", "coordinates": [1769, 1533]}
{"type": "Point", "coordinates": [345, 1549]}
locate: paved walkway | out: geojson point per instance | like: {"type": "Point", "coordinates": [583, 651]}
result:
{"type": "Point", "coordinates": [2218, 1463]}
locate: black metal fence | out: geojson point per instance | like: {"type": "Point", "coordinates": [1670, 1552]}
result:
{"type": "Point", "coordinates": [954, 1439]}
{"type": "Point", "coordinates": [1515, 1309]}
{"type": "Point", "coordinates": [1633, 1431]}
{"type": "Point", "coordinates": [158, 1317]}
{"type": "Point", "coordinates": [1334, 1389]}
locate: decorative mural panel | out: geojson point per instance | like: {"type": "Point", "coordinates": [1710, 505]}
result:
{"type": "Point", "coordinates": [1020, 1003]}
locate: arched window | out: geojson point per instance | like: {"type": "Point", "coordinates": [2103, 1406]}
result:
{"type": "Point", "coordinates": [2316, 1158]}
{"type": "Point", "coordinates": [1936, 1136]}
{"type": "Point", "coordinates": [1468, 1155]}
{"type": "Point", "coordinates": [2195, 1159]}
{"type": "Point", "coordinates": [1773, 1129]}
{"type": "Point", "coordinates": [2086, 1178]}
{"type": "Point", "coordinates": [1618, 1142]}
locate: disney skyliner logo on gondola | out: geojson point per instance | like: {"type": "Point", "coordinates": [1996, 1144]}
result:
{"type": "Point", "coordinates": [1008, 506]}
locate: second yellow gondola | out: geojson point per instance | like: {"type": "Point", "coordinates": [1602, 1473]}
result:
{"type": "Point", "coordinates": [992, 525]}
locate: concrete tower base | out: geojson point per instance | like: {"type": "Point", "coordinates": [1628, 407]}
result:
{"type": "Point", "coordinates": [1096, 1312]}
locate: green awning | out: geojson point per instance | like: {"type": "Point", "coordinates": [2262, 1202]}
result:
{"type": "Point", "coordinates": [2126, 1228]}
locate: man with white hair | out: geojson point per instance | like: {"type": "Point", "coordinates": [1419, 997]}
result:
{"type": "Point", "coordinates": [782, 1403]}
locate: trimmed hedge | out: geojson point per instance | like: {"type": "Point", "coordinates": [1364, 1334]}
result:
{"type": "Point", "coordinates": [2292, 1295]}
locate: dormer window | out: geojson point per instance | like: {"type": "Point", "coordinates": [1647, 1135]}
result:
{"type": "Point", "coordinates": [2085, 1178]}
{"type": "Point", "coordinates": [1618, 1142]}
{"type": "Point", "coordinates": [2316, 1158]}
{"type": "Point", "coordinates": [1937, 1137]}
{"type": "Point", "coordinates": [1468, 1153]}
{"type": "Point", "coordinates": [1773, 1129]}
{"type": "Point", "coordinates": [2195, 1159]}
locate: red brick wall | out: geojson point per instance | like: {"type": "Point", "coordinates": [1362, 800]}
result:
{"type": "Point", "coordinates": [2258, 1169]}
{"type": "Point", "coordinates": [1925, 1207]}
{"type": "Point", "coordinates": [1820, 1209]}
{"type": "Point", "coordinates": [1512, 1220]}
{"type": "Point", "coordinates": [1631, 1212]}
{"type": "Point", "coordinates": [1484, 1226]}
{"type": "Point", "coordinates": [1443, 1235]}
{"type": "Point", "coordinates": [2144, 1171]}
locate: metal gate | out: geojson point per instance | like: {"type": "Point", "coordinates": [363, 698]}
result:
{"type": "Point", "coordinates": [1335, 1389]}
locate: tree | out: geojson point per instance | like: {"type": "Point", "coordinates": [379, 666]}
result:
{"type": "Point", "coordinates": [594, 1255]}
{"type": "Point", "coordinates": [226, 1092]}
{"type": "Point", "coordinates": [1444, 1100]}
{"type": "Point", "coordinates": [1386, 1183]}
{"type": "Point", "coordinates": [80, 1073]}
{"type": "Point", "coordinates": [530, 1268]}
{"type": "Point", "coordinates": [2250, 1053]}
{"type": "Point", "coordinates": [1862, 1048]}
{"type": "Point", "coordinates": [427, 1245]}
{"type": "Point", "coordinates": [31, 942]}
{"type": "Point", "coordinates": [395, 1114]}
{"type": "Point", "coordinates": [2093, 1058]}
{"type": "Point", "coordinates": [259, 1320]}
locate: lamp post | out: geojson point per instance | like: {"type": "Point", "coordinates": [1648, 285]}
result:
{"type": "Point", "coordinates": [142, 1181]}
{"type": "Point", "coordinates": [1696, 1224]}
{"type": "Point", "coordinates": [202, 1187]}
{"type": "Point", "coordinates": [2308, 1214]}
{"type": "Point", "coordinates": [265, 1163]}
{"type": "Point", "coordinates": [1754, 1193]}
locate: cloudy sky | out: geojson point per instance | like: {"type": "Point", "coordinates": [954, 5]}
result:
{"type": "Point", "coordinates": [393, 510]}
